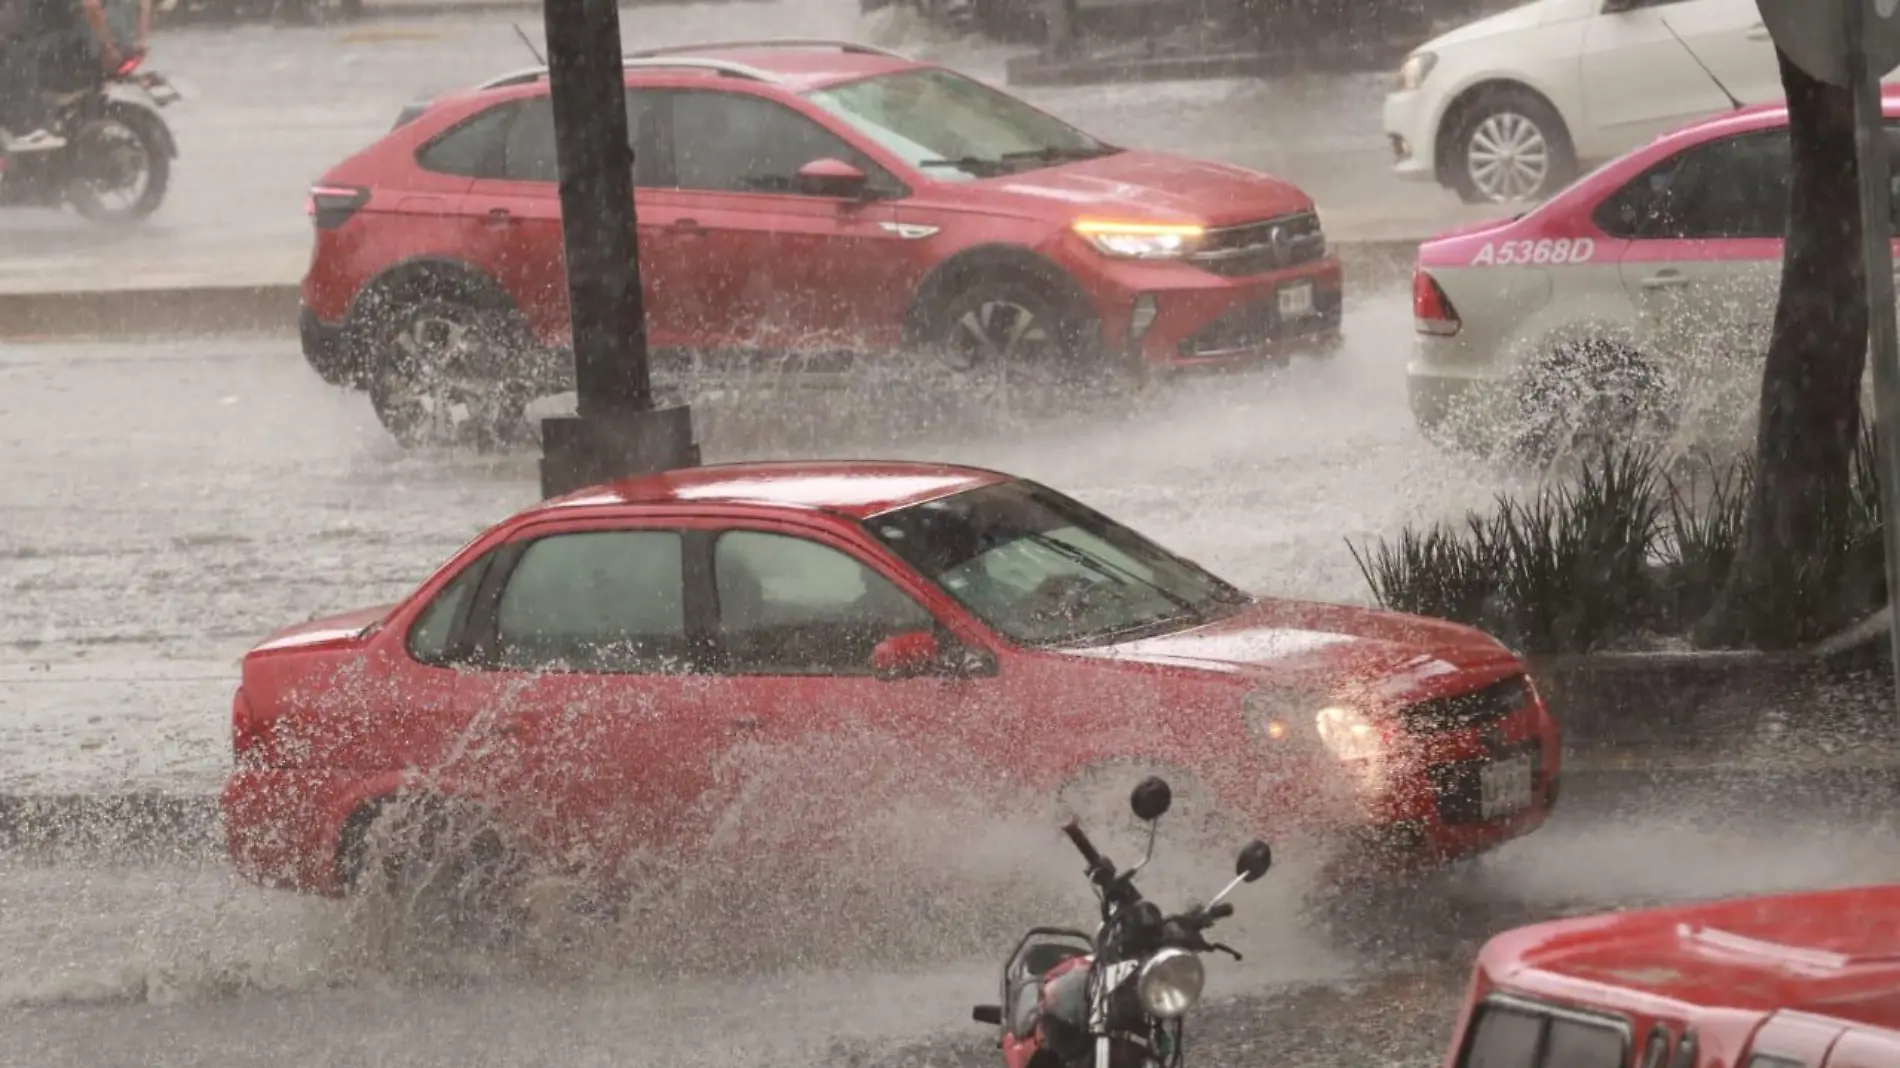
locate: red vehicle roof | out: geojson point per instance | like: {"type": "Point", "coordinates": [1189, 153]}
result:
{"type": "Point", "coordinates": [804, 69]}
{"type": "Point", "coordinates": [1832, 952]}
{"type": "Point", "coordinates": [854, 488]}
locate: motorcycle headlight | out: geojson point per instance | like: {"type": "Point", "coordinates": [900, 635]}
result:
{"type": "Point", "coordinates": [1170, 983]}
{"type": "Point", "coordinates": [1347, 733]}
{"type": "Point", "coordinates": [1413, 71]}
{"type": "Point", "coordinates": [1141, 241]}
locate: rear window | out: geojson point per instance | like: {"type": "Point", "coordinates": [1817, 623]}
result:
{"type": "Point", "coordinates": [1510, 1035]}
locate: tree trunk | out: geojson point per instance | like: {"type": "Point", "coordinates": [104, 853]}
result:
{"type": "Point", "coordinates": [1810, 390]}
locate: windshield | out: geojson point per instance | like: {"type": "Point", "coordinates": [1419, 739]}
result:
{"type": "Point", "coordinates": [953, 127]}
{"type": "Point", "coordinates": [1043, 569]}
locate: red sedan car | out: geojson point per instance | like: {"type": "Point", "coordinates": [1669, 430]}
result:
{"type": "Point", "coordinates": [581, 672]}
{"type": "Point", "coordinates": [827, 199]}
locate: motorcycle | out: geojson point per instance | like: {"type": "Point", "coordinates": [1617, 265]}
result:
{"type": "Point", "coordinates": [115, 167]}
{"type": "Point", "coordinates": [1118, 998]}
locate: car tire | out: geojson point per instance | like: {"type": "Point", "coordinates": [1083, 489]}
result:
{"type": "Point", "coordinates": [1585, 395]}
{"type": "Point", "coordinates": [1003, 339]}
{"type": "Point", "coordinates": [1509, 146]}
{"type": "Point", "coordinates": [443, 373]}
{"type": "Point", "coordinates": [444, 865]}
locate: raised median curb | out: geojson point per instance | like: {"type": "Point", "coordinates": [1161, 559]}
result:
{"type": "Point", "coordinates": [1038, 69]}
{"type": "Point", "coordinates": [132, 314]}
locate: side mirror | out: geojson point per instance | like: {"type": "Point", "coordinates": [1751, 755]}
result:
{"type": "Point", "coordinates": [906, 656]}
{"type": "Point", "coordinates": [831, 178]}
{"type": "Point", "coordinates": [1255, 858]}
{"type": "Point", "coordinates": [1151, 798]}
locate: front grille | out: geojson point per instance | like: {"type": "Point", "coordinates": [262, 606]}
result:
{"type": "Point", "coordinates": [1258, 247]}
{"type": "Point", "coordinates": [1458, 787]}
{"type": "Point", "coordinates": [1467, 711]}
{"type": "Point", "coordinates": [1256, 326]}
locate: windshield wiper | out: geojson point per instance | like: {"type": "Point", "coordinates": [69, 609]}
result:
{"type": "Point", "coordinates": [1055, 154]}
{"type": "Point", "coordinates": [981, 166]}
{"type": "Point", "coordinates": [1112, 571]}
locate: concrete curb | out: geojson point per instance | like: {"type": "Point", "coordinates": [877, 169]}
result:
{"type": "Point", "coordinates": [202, 311]}
{"type": "Point", "coordinates": [159, 825]}
{"type": "Point", "coordinates": [1037, 69]}
{"type": "Point", "coordinates": [375, 10]}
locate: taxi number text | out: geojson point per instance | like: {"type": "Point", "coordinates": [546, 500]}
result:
{"type": "Point", "coordinates": [1546, 251]}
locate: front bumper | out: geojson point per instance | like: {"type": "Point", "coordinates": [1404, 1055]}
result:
{"type": "Point", "coordinates": [1179, 317]}
{"type": "Point", "coordinates": [1409, 127]}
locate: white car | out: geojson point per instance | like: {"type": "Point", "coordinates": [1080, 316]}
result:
{"type": "Point", "coordinates": [1513, 107]}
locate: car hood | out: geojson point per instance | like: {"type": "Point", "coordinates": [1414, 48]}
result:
{"type": "Point", "coordinates": [1522, 17]}
{"type": "Point", "coordinates": [1304, 645]}
{"type": "Point", "coordinates": [328, 631]}
{"type": "Point", "coordinates": [1155, 186]}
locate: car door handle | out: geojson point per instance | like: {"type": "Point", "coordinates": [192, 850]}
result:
{"type": "Point", "coordinates": [500, 216]}
{"type": "Point", "coordinates": [746, 723]}
{"type": "Point", "coordinates": [1666, 280]}
{"type": "Point", "coordinates": [686, 226]}
{"type": "Point", "coordinates": [1759, 32]}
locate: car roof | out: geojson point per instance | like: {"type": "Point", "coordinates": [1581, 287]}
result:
{"type": "Point", "coordinates": [1759, 117]}
{"type": "Point", "coordinates": [1832, 952]}
{"type": "Point", "coordinates": [856, 489]}
{"type": "Point", "coordinates": [794, 63]}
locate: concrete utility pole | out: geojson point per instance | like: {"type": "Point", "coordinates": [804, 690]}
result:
{"type": "Point", "coordinates": [617, 431]}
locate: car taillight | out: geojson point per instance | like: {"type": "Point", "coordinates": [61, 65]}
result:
{"type": "Point", "coordinates": [330, 206]}
{"type": "Point", "coordinates": [1432, 312]}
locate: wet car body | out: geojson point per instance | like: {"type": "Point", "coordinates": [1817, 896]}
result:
{"type": "Point", "coordinates": [1809, 980]}
{"type": "Point", "coordinates": [783, 209]}
{"type": "Point", "coordinates": [1662, 256]}
{"type": "Point", "coordinates": [597, 707]}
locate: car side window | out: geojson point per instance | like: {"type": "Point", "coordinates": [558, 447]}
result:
{"type": "Point", "coordinates": [529, 154]}
{"type": "Point", "coordinates": [1770, 1060]}
{"type": "Point", "coordinates": [791, 606]}
{"type": "Point", "coordinates": [1733, 188]}
{"type": "Point", "coordinates": [739, 143]}
{"type": "Point", "coordinates": [596, 602]}
{"type": "Point", "coordinates": [434, 628]}
{"type": "Point", "coordinates": [1574, 1044]}
{"type": "Point", "coordinates": [1504, 1037]}
{"type": "Point", "coordinates": [472, 147]}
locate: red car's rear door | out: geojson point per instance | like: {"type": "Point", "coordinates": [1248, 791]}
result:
{"type": "Point", "coordinates": [584, 715]}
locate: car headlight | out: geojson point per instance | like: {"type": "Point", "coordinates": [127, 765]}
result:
{"type": "Point", "coordinates": [1142, 241]}
{"type": "Point", "coordinates": [1415, 69]}
{"type": "Point", "coordinates": [1347, 732]}
{"type": "Point", "coordinates": [1170, 983]}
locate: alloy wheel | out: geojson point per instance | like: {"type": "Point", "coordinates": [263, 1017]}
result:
{"type": "Point", "coordinates": [1508, 157]}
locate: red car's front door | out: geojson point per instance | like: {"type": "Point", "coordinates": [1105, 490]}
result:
{"type": "Point", "coordinates": [585, 717]}
{"type": "Point", "coordinates": [792, 270]}
{"type": "Point", "coordinates": [798, 615]}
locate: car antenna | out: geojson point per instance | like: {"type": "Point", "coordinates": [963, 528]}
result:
{"type": "Point", "coordinates": [1733, 101]}
{"type": "Point", "coordinates": [533, 51]}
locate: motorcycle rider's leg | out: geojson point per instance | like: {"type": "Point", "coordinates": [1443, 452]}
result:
{"type": "Point", "coordinates": [23, 112]}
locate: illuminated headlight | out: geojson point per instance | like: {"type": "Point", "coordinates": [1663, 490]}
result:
{"type": "Point", "coordinates": [1170, 983]}
{"type": "Point", "coordinates": [1347, 733]}
{"type": "Point", "coordinates": [1142, 241]}
{"type": "Point", "coordinates": [1415, 69]}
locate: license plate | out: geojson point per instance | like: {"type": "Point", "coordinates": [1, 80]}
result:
{"type": "Point", "coordinates": [1504, 787]}
{"type": "Point", "coordinates": [1296, 301]}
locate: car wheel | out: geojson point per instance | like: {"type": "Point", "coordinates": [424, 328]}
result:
{"type": "Point", "coordinates": [1510, 147]}
{"type": "Point", "coordinates": [445, 868]}
{"type": "Point", "coordinates": [443, 376]}
{"type": "Point", "coordinates": [1586, 395]}
{"type": "Point", "coordinates": [1006, 340]}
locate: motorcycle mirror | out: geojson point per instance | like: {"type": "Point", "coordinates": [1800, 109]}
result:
{"type": "Point", "coordinates": [1255, 858]}
{"type": "Point", "coordinates": [1151, 798]}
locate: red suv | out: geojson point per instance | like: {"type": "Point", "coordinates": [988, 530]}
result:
{"type": "Point", "coordinates": [809, 197]}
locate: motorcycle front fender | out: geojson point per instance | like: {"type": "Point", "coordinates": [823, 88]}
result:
{"type": "Point", "coordinates": [136, 106]}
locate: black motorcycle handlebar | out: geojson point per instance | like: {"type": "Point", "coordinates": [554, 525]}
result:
{"type": "Point", "coordinates": [1073, 829]}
